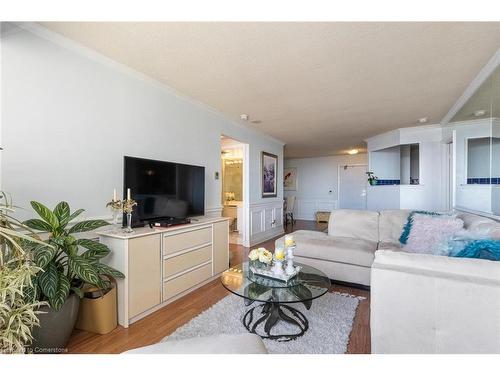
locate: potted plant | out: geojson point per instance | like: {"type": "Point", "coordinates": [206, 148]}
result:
{"type": "Point", "coordinates": [68, 264]}
{"type": "Point", "coordinates": [17, 304]}
{"type": "Point", "coordinates": [372, 179]}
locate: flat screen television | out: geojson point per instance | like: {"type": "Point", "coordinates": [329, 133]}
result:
{"type": "Point", "coordinates": [163, 190]}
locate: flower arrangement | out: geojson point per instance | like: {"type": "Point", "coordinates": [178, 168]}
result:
{"type": "Point", "coordinates": [115, 205]}
{"type": "Point", "coordinates": [262, 255]}
{"type": "Point", "coordinates": [266, 264]}
{"type": "Point", "coordinates": [128, 205]}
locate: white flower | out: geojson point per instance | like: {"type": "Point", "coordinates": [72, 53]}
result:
{"type": "Point", "coordinates": [265, 256]}
{"type": "Point", "coordinates": [254, 254]}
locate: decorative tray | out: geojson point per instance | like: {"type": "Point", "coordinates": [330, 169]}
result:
{"type": "Point", "coordinates": [268, 272]}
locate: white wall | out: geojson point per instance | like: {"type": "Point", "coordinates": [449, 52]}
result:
{"type": "Point", "coordinates": [69, 116]}
{"type": "Point", "coordinates": [429, 195]}
{"type": "Point", "coordinates": [385, 164]}
{"type": "Point", "coordinates": [478, 157]}
{"type": "Point", "coordinates": [317, 183]}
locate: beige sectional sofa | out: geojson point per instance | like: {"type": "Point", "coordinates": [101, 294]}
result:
{"type": "Point", "coordinates": [420, 303]}
{"type": "Point", "coordinates": [347, 251]}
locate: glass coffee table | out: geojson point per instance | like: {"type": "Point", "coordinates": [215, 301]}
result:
{"type": "Point", "coordinates": [275, 297]}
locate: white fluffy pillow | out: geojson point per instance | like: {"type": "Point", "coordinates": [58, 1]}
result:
{"type": "Point", "coordinates": [430, 233]}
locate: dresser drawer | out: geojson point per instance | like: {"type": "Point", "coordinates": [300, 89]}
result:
{"type": "Point", "coordinates": [173, 243]}
{"type": "Point", "coordinates": [175, 286]}
{"type": "Point", "coordinates": [182, 262]}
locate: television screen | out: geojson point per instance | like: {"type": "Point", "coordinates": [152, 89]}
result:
{"type": "Point", "coordinates": [163, 189]}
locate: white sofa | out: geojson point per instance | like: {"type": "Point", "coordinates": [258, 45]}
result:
{"type": "Point", "coordinates": [245, 343]}
{"type": "Point", "coordinates": [347, 251]}
{"type": "Point", "coordinates": [419, 303]}
{"type": "Point", "coordinates": [434, 304]}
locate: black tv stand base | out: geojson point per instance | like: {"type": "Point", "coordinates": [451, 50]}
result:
{"type": "Point", "coordinates": [168, 222]}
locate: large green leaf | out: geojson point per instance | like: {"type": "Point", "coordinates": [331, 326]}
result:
{"type": "Point", "coordinates": [95, 249]}
{"type": "Point", "coordinates": [10, 235]}
{"type": "Point", "coordinates": [104, 269]}
{"type": "Point", "coordinates": [62, 292]}
{"type": "Point", "coordinates": [62, 212]}
{"type": "Point", "coordinates": [38, 225]}
{"type": "Point", "coordinates": [49, 280]}
{"type": "Point", "coordinates": [58, 240]}
{"type": "Point", "coordinates": [84, 269]}
{"type": "Point", "coordinates": [75, 214]}
{"type": "Point", "coordinates": [46, 214]}
{"type": "Point", "coordinates": [85, 226]}
{"type": "Point", "coordinates": [43, 255]}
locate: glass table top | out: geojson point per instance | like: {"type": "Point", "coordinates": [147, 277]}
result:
{"type": "Point", "coordinates": [309, 284]}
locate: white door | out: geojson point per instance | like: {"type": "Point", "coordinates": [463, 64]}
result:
{"type": "Point", "coordinates": [352, 186]}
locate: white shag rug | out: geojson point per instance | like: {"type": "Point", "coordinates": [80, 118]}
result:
{"type": "Point", "coordinates": [330, 322]}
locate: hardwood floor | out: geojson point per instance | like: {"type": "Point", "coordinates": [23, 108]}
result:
{"type": "Point", "coordinates": [163, 322]}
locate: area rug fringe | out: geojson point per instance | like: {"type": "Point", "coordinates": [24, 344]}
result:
{"type": "Point", "coordinates": [349, 295]}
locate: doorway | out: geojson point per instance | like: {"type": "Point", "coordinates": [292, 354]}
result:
{"type": "Point", "coordinates": [352, 186]}
{"type": "Point", "coordinates": [234, 188]}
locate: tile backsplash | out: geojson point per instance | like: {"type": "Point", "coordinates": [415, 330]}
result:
{"type": "Point", "coordinates": [484, 181]}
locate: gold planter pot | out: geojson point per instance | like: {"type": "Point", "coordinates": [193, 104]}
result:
{"type": "Point", "coordinates": [98, 315]}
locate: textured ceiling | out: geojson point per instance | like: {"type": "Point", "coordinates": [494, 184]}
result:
{"type": "Point", "coordinates": [320, 87]}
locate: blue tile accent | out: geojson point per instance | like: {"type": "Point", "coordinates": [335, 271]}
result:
{"type": "Point", "coordinates": [388, 182]}
{"type": "Point", "coordinates": [484, 181]}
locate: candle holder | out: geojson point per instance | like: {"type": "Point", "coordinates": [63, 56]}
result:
{"type": "Point", "coordinates": [290, 268]}
{"type": "Point", "coordinates": [128, 207]}
{"type": "Point", "coordinates": [128, 228]}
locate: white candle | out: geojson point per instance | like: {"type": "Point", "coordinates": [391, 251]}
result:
{"type": "Point", "coordinates": [114, 195]}
{"type": "Point", "coordinates": [128, 193]}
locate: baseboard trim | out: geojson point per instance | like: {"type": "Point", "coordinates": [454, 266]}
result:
{"type": "Point", "coordinates": [350, 285]}
{"type": "Point", "coordinates": [267, 235]}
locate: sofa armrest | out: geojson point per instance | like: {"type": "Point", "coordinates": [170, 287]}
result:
{"type": "Point", "coordinates": [464, 269]}
{"type": "Point", "coordinates": [432, 304]}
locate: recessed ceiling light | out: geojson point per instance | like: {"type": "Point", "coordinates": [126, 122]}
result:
{"type": "Point", "coordinates": [354, 151]}
{"type": "Point", "coordinates": [244, 117]}
{"type": "Point", "coordinates": [422, 120]}
{"type": "Point", "coordinates": [479, 113]}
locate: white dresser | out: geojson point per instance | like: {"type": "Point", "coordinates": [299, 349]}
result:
{"type": "Point", "coordinates": [163, 264]}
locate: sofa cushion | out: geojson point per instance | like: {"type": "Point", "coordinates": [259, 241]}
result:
{"type": "Point", "coordinates": [429, 234]}
{"type": "Point", "coordinates": [336, 249]}
{"type": "Point", "coordinates": [480, 226]}
{"type": "Point", "coordinates": [391, 223]}
{"type": "Point", "coordinates": [354, 223]}
{"type": "Point", "coordinates": [472, 222]}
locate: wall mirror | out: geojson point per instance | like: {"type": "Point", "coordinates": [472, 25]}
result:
{"type": "Point", "coordinates": [477, 149]}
